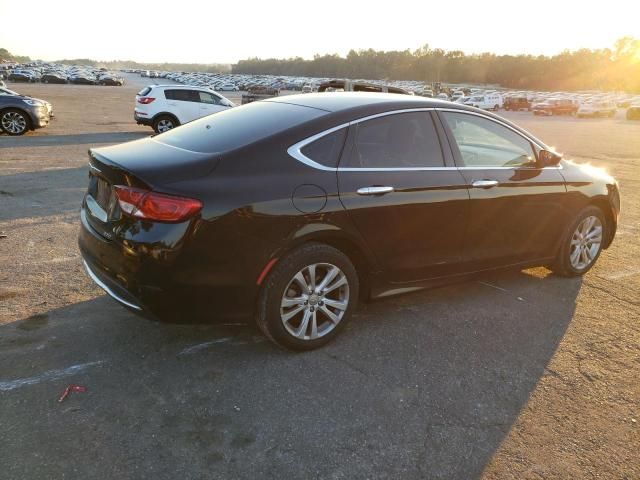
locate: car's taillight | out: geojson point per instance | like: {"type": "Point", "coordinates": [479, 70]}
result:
{"type": "Point", "coordinates": [145, 100]}
{"type": "Point", "coordinates": [158, 207]}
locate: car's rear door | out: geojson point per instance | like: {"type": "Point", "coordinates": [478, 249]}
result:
{"type": "Point", "coordinates": [183, 103]}
{"type": "Point", "coordinates": [517, 208]}
{"type": "Point", "coordinates": [404, 195]}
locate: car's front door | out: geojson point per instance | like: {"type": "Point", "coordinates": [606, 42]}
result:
{"type": "Point", "coordinates": [406, 198]}
{"type": "Point", "coordinates": [210, 103]}
{"type": "Point", "coordinates": [517, 211]}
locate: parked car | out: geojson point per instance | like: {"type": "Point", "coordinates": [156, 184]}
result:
{"type": "Point", "coordinates": [227, 87]}
{"type": "Point", "coordinates": [111, 80]}
{"type": "Point", "coordinates": [356, 86]}
{"type": "Point", "coordinates": [19, 114]}
{"type": "Point", "coordinates": [633, 112]}
{"type": "Point", "coordinates": [555, 106]}
{"type": "Point", "coordinates": [164, 107]}
{"type": "Point", "coordinates": [491, 101]}
{"type": "Point", "coordinates": [83, 79]}
{"type": "Point", "coordinates": [597, 109]}
{"type": "Point", "coordinates": [17, 76]}
{"type": "Point", "coordinates": [53, 78]}
{"type": "Point", "coordinates": [274, 210]}
{"type": "Point", "coordinates": [517, 103]}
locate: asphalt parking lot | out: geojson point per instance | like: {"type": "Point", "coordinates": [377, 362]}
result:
{"type": "Point", "coordinates": [519, 375]}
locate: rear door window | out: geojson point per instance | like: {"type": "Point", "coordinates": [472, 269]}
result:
{"type": "Point", "coordinates": [326, 150]}
{"type": "Point", "coordinates": [403, 140]}
{"type": "Point", "coordinates": [182, 95]}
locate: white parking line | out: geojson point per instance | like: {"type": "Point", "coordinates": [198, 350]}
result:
{"type": "Point", "coordinates": [46, 376]}
{"type": "Point", "coordinates": [202, 346]}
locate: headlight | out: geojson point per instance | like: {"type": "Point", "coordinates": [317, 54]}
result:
{"type": "Point", "coordinates": [35, 103]}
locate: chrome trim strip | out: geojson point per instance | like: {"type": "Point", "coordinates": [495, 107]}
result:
{"type": "Point", "coordinates": [107, 289]}
{"type": "Point", "coordinates": [295, 149]}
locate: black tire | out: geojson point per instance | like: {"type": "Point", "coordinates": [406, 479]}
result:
{"type": "Point", "coordinates": [17, 114]}
{"type": "Point", "coordinates": [562, 265]}
{"type": "Point", "coordinates": [268, 315]}
{"type": "Point", "coordinates": [162, 120]}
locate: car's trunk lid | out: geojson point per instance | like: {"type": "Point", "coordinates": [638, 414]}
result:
{"type": "Point", "coordinates": [146, 164]}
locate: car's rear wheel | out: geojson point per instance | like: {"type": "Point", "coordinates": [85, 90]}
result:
{"type": "Point", "coordinates": [308, 297]}
{"type": "Point", "coordinates": [14, 122]}
{"type": "Point", "coordinates": [164, 123]}
{"type": "Point", "coordinates": [582, 243]}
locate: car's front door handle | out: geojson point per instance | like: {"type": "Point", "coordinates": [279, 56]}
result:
{"type": "Point", "coordinates": [484, 183]}
{"type": "Point", "coordinates": [374, 190]}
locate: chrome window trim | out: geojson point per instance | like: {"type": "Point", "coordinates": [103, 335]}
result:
{"type": "Point", "coordinates": [295, 149]}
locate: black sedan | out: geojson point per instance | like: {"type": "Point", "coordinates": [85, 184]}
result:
{"type": "Point", "coordinates": [53, 78]}
{"type": "Point", "coordinates": [111, 81]}
{"type": "Point", "coordinates": [294, 208]}
{"type": "Point", "coordinates": [21, 77]}
{"type": "Point", "coordinates": [83, 80]}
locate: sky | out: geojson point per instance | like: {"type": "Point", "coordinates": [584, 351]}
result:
{"type": "Point", "coordinates": [189, 31]}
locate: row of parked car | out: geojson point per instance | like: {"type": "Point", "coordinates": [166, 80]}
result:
{"type": "Point", "coordinates": [59, 73]}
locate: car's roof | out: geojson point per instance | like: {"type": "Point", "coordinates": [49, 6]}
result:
{"type": "Point", "coordinates": [338, 101]}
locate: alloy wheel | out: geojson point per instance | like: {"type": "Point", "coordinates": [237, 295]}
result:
{"type": "Point", "coordinates": [314, 301]}
{"type": "Point", "coordinates": [164, 125]}
{"type": "Point", "coordinates": [14, 122]}
{"type": "Point", "coordinates": [586, 243]}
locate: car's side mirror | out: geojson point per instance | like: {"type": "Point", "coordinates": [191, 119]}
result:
{"type": "Point", "coordinates": [547, 158]}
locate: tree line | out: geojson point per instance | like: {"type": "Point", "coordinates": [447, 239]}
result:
{"type": "Point", "coordinates": [607, 69]}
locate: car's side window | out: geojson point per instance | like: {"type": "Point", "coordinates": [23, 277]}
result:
{"type": "Point", "coordinates": [182, 95]}
{"type": "Point", "coordinates": [485, 143]}
{"type": "Point", "coordinates": [402, 140]}
{"type": "Point", "coordinates": [326, 150]}
{"type": "Point", "coordinates": [206, 97]}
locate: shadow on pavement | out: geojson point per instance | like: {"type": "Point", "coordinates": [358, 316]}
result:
{"type": "Point", "coordinates": [421, 386]}
{"type": "Point", "coordinates": [76, 139]}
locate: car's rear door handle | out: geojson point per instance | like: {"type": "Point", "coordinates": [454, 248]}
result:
{"type": "Point", "coordinates": [484, 183]}
{"type": "Point", "coordinates": [374, 190]}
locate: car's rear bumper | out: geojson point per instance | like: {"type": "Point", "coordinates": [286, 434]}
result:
{"type": "Point", "coordinates": [141, 120]}
{"type": "Point", "coordinates": [173, 291]}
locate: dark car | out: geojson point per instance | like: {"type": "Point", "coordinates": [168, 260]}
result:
{"type": "Point", "coordinates": [83, 79]}
{"type": "Point", "coordinates": [517, 103]}
{"type": "Point", "coordinates": [21, 77]}
{"type": "Point", "coordinates": [291, 209]}
{"type": "Point", "coordinates": [111, 80]}
{"type": "Point", "coordinates": [555, 106]}
{"type": "Point", "coordinates": [53, 78]}
{"type": "Point", "coordinates": [633, 112]}
{"type": "Point", "coordinates": [19, 114]}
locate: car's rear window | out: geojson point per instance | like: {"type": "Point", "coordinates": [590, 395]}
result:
{"type": "Point", "coordinates": [144, 91]}
{"type": "Point", "coordinates": [238, 126]}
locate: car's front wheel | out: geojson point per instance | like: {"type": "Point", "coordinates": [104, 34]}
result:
{"type": "Point", "coordinates": [582, 243]}
{"type": "Point", "coordinates": [14, 122]}
{"type": "Point", "coordinates": [308, 297]}
{"type": "Point", "coordinates": [164, 123]}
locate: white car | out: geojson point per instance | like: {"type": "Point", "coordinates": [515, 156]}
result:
{"type": "Point", "coordinates": [228, 87]}
{"type": "Point", "coordinates": [597, 109]}
{"type": "Point", "coordinates": [164, 107]}
{"type": "Point", "coordinates": [490, 101]}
